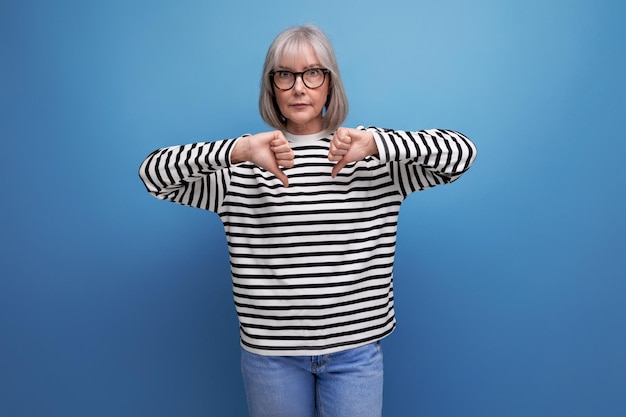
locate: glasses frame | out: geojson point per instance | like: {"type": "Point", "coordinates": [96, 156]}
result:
{"type": "Point", "coordinates": [301, 75]}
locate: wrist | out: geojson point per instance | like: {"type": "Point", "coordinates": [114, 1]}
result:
{"type": "Point", "coordinates": [241, 151]}
{"type": "Point", "coordinates": [373, 147]}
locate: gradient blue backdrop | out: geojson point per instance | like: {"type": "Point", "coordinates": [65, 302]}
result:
{"type": "Point", "coordinates": [510, 283]}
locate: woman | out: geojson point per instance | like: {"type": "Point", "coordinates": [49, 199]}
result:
{"type": "Point", "coordinates": [310, 212]}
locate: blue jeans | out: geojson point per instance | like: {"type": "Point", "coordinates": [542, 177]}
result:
{"type": "Point", "coordinates": [342, 384]}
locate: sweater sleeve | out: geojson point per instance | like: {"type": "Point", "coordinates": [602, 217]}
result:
{"type": "Point", "coordinates": [424, 159]}
{"type": "Point", "coordinates": [193, 175]}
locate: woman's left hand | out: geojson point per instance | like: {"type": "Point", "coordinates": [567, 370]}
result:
{"type": "Point", "coordinates": [350, 145]}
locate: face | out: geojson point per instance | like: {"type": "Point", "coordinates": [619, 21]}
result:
{"type": "Point", "coordinates": [302, 106]}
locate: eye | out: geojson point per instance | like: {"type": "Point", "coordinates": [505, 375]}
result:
{"type": "Point", "coordinates": [283, 74]}
{"type": "Point", "coordinates": [314, 72]}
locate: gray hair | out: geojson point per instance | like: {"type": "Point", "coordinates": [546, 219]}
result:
{"type": "Point", "coordinates": [288, 44]}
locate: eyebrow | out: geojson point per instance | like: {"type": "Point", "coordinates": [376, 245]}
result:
{"type": "Point", "coordinates": [307, 67]}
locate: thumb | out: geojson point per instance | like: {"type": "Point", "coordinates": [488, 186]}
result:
{"type": "Point", "coordinates": [282, 177]}
{"type": "Point", "coordinates": [338, 167]}
{"type": "Point", "coordinates": [278, 173]}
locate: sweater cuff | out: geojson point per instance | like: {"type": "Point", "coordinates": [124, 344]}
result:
{"type": "Point", "coordinates": [381, 140]}
{"type": "Point", "coordinates": [229, 152]}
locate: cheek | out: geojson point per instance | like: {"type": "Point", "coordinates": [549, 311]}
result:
{"type": "Point", "coordinates": [321, 96]}
{"type": "Point", "coordinates": [280, 100]}
{"type": "Point", "coordinates": [325, 94]}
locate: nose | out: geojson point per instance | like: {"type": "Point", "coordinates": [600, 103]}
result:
{"type": "Point", "coordinates": [299, 86]}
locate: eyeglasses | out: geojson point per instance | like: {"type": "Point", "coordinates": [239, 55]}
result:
{"type": "Point", "coordinates": [312, 78]}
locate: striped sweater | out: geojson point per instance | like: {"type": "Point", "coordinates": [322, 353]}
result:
{"type": "Point", "coordinates": [312, 263]}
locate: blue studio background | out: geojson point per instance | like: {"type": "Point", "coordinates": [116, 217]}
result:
{"type": "Point", "coordinates": [510, 282]}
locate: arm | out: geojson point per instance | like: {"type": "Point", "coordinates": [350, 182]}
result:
{"type": "Point", "coordinates": [188, 174]}
{"type": "Point", "coordinates": [424, 158]}
{"type": "Point", "coordinates": [196, 174]}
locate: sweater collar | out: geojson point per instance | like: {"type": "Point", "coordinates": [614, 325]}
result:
{"type": "Point", "coordinates": [304, 139]}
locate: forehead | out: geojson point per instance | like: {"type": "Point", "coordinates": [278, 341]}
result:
{"type": "Point", "coordinates": [297, 56]}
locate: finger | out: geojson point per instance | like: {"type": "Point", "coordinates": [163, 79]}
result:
{"type": "Point", "coordinates": [335, 154]}
{"type": "Point", "coordinates": [337, 150]}
{"type": "Point", "coordinates": [283, 178]}
{"type": "Point", "coordinates": [280, 146]}
{"type": "Point", "coordinates": [280, 149]}
{"type": "Point", "coordinates": [345, 141]}
{"type": "Point", "coordinates": [284, 157]}
{"type": "Point", "coordinates": [342, 142]}
{"type": "Point", "coordinates": [278, 173]}
{"type": "Point", "coordinates": [285, 163]}
{"type": "Point", "coordinates": [279, 141]}
{"type": "Point", "coordinates": [338, 167]}
{"type": "Point", "coordinates": [342, 133]}
{"type": "Point", "coordinates": [279, 135]}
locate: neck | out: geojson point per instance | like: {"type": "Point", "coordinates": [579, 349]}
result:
{"type": "Point", "coordinates": [304, 128]}
{"type": "Point", "coordinates": [304, 139]}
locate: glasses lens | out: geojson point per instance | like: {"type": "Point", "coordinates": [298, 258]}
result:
{"type": "Point", "coordinates": [284, 79]}
{"type": "Point", "coordinates": [313, 78]}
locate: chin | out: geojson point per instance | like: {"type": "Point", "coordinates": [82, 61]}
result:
{"type": "Point", "coordinates": [302, 119]}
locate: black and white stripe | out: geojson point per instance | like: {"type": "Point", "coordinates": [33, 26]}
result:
{"type": "Point", "coordinates": [312, 263]}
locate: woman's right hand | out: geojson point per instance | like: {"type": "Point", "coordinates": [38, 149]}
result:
{"type": "Point", "coordinates": [267, 150]}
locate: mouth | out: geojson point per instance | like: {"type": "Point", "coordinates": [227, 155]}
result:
{"type": "Point", "coordinates": [299, 105]}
